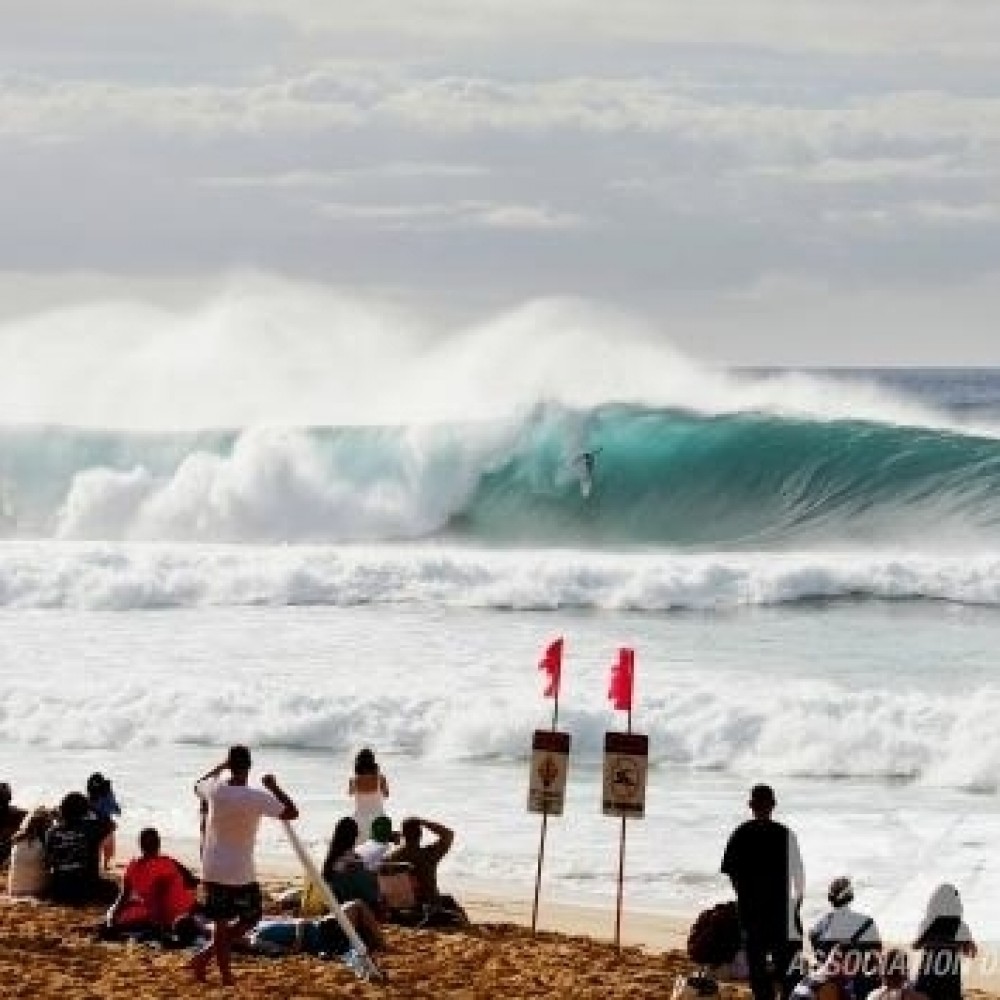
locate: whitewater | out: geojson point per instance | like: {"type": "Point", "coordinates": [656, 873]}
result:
{"type": "Point", "coordinates": [287, 517]}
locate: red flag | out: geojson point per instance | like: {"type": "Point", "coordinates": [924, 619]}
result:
{"type": "Point", "coordinates": [623, 680]}
{"type": "Point", "coordinates": [552, 665]}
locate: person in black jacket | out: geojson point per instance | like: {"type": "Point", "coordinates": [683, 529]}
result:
{"type": "Point", "coordinates": [763, 863]}
{"type": "Point", "coordinates": [73, 855]}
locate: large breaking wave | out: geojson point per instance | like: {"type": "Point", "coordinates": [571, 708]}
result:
{"type": "Point", "coordinates": [663, 478]}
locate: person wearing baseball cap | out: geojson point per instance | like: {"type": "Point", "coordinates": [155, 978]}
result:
{"type": "Point", "coordinates": [855, 933]}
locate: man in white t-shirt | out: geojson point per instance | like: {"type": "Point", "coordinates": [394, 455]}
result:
{"type": "Point", "coordinates": [232, 895]}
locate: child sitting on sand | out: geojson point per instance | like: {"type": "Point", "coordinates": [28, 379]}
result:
{"type": "Point", "coordinates": [105, 806]}
{"type": "Point", "coordinates": [369, 789]}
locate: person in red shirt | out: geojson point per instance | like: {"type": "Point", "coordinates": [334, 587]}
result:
{"type": "Point", "coordinates": [157, 893]}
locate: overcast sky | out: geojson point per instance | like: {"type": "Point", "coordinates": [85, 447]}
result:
{"type": "Point", "coordinates": [763, 181]}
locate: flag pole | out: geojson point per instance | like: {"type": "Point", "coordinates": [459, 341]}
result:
{"type": "Point", "coordinates": [621, 860]}
{"type": "Point", "coordinates": [545, 823]}
{"type": "Point", "coordinates": [545, 819]}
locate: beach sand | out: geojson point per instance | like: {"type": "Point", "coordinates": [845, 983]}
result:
{"type": "Point", "coordinates": [49, 953]}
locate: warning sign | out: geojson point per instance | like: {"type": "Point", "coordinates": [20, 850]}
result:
{"type": "Point", "coordinates": [626, 757]}
{"type": "Point", "coordinates": [549, 763]}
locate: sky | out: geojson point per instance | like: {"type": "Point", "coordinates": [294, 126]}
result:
{"type": "Point", "coordinates": [758, 181]}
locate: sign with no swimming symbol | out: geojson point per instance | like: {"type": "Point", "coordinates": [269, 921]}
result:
{"type": "Point", "coordinates": [626, 757]}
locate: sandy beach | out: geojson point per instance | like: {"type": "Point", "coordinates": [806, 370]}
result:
{"type": "Point", "coordinates": [49, 952]}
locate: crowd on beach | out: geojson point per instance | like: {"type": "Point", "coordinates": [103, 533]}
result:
{"type": "Point", "coordinates": [373, 873]}
{"type": "Point", "coordinates": [764, 864]}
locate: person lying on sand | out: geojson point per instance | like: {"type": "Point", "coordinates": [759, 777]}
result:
{"type": "Point", "coordinates": [325, 938]}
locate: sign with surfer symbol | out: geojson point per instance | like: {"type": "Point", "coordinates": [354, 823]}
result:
{"type": "Point", "coordinates": [549, 764]}
{"type": "Point", "coordinates": [626, 757]}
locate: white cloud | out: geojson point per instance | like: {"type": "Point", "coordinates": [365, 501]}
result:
{"type": "Point", "coordinates": [508, 149]}
{"type": "Point", "coordinates": [971, 27]}
{"type": "Point", "coordinates": [457, 214]}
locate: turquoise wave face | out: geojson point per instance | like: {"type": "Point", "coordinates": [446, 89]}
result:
{"type": "Point", "coordinates": [676, 478]}
{"type": "Point", "coordinates": [659, 477]}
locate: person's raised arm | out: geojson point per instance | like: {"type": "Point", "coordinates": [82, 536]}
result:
{"type": "Point", "coordinates": [213, 773]}
{"type": "Point", "coordinates": [445, 836]}
{"type": "Point", "coordinates": [289, 809]}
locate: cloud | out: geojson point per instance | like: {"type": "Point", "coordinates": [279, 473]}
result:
{"type": "Point", "coordinates": [848, 26]}
{"type": "Point", "coordinates": [502, 151]}
{"type": "Point", "coordinates": [464, 214]}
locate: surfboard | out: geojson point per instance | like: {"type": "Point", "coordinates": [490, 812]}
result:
{"type": "Point", "coordinates": [359, 960]}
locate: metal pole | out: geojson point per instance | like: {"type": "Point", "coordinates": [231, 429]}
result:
{"type": "Point", "coordinates": [545, 824]}
{"type": "Point", "coordinates": [621, 866]}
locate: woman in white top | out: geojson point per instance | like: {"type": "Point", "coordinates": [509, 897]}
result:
{"type": "Point", "coordinates": [369, 789]}
{"type": "Point", "coordinates": [28, 875]}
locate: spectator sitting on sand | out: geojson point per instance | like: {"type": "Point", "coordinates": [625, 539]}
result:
{"type": "Point", "coordinates": [325, 938]}
{"type": "Point", "coordinates": [73, 855]}
{"type": "Point", "coordinates": [11, 819]}
{"type": "Point", "coordinates": [345, 872]}
{"type": "Point", "coordinates": [424, 860]}
{"type": "Point", "coordinates": [28, 875]}
{"type": "Point", "coordinates": [943, 939]}
{"type": "Point", "coordinates": [157, 893]}
{"type": "Point", "coordinates": [373, 851]}
{"type": "Point", "coordinates": [895, 978]}
{"type": "Point", "coordinates": [855, 932]}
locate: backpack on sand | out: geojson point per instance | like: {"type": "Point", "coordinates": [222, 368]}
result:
{"type": "Point", "coordinates": [715, 938]}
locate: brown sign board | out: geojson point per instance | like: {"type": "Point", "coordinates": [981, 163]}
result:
{"type": "Point", "coordinates": [626, 761]}
{"type": "Point", "coordinates": [549, 764]}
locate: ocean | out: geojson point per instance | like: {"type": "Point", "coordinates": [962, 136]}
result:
{"type": "Point", "coordinates": [807, 565]}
